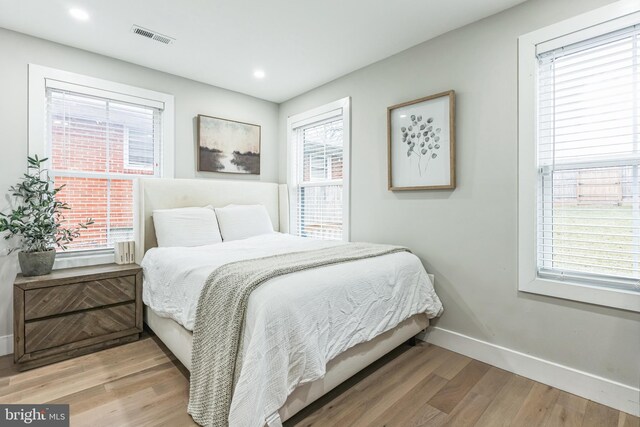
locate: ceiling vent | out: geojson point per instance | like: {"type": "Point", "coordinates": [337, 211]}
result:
{"type": "Point", "coordinates": [151, 35]}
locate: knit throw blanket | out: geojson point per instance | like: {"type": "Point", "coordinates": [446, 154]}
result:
{"type": "Point", "coordinates": [220, 315]}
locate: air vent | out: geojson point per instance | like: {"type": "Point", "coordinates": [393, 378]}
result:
{"type": "Point", "coordinates": [144, 32]}
{"type": "Point", "coordinates": [162, 39]}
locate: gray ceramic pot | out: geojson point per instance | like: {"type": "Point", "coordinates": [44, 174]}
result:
{"type": "Point", "coordinates": [36, 263]}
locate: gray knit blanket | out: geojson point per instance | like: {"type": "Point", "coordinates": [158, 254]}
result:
{"type": "Point", "coordinates": [220, 316]}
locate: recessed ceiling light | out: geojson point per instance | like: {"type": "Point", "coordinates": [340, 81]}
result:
{"type": "Point", "coordinates": [258, 74]}
{"type": "Point", "coordinates": [79, 14]}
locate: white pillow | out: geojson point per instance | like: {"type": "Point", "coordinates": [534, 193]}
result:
{"type": "Point", "coordinates": [185, 227]}
{"type": "Point", "coordinates": [242, 221]}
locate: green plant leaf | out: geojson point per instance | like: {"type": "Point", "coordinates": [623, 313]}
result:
{"type": "Point", "coordinates": [38, 219]}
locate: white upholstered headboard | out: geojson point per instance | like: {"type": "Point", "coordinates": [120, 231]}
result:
{"type": "Point", "coordinates": [155, 193]}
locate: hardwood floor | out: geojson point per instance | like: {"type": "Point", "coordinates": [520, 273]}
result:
{"type": "Point", "coordinates": [141, 384]}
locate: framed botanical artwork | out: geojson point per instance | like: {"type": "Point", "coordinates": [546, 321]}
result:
{"type": "Point", "coordinates": [228, 146]}
{"type": "Point", "coordinates": [421, 143]}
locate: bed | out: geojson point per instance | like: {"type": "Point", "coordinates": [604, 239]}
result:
{"type": "Point", "coordinates": [173, 324]}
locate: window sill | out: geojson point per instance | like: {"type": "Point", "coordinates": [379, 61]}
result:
{"type": "Point", "coordinates": [83, 260]}
{"type": "Point", "coordinates": [608, 297]}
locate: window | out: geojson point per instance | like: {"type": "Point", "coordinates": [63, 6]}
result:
{"type": "Point", "coordinates": [583, 219]}
{"type": "Point", "coordinates": [318, 177]}
{"type": "Point", "coordinates": [99, 137]}
{"type": "Point", "coordinates": [588, 152]}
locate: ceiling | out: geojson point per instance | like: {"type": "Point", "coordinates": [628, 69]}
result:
{"type": "Point", "coordinates": [300, 44]}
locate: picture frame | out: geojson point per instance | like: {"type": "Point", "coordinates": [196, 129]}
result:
{"type": "Point", "coordinates": [228, 146]}
{"type": "Point", "coordinates": [421, 143]}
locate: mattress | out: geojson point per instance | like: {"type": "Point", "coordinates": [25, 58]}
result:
{"type": "Point", "coordinates": [297, 323]}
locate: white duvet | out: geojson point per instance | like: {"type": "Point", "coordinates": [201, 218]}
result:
{"type": "Point", "coordinates": [297, 323]}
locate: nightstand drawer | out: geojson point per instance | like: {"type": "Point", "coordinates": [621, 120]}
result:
{"type": "Point", "coordinates": [61, 330]}
{"type": "Point", "coordinates": [75, 311]}
{"type": "Point", "coordinates": [78, 296]}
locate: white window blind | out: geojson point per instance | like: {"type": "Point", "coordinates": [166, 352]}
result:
{"type": "Point", "coordinates": [96, 147]}
{"type": "Point", "coordinates": [319, 156]}
{"type": "Point", "coordinates": [138, 149]}
{"type": "Point", "coordinates": [588, 206]}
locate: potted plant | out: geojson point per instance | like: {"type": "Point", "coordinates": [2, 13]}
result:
{"type": "Point", "coordinates": [38, 220]}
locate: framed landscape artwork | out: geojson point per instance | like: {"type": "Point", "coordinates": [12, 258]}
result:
{"type": "Point", "coordinates": [421, 143]}
{"type": "Point", "coordinates": [228, 146]}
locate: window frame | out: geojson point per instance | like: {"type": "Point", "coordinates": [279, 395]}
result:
{"type": "Point", "coordinates": [318, 114]}
{"type": "Point", "coordinates": [591, 24]}
{"type": "Point", "coordinates": [38, 76]}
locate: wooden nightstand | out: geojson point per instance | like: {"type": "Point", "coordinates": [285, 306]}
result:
{"type": "Point", "coordinates": [75, 311]}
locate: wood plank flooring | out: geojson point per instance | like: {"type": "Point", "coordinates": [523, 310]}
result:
{"type": "Point", "coordinates": [141, 384]}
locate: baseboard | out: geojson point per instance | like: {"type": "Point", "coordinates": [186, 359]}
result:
{"type": "Point", "coordinates": [6, 345]}
{"type": "Point", "coordinates": [610, 393]}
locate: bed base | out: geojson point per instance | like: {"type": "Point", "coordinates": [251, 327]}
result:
{"type": "Point", "coordinates": [345, 365]}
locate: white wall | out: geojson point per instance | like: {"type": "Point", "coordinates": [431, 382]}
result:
{"type": "Point", "coordinates": [191, 99]}
{"type": "Point", "coordinates": [468, 237]}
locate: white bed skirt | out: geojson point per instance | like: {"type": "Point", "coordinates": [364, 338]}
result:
{"type": "Point", "coordinates": [342, 367]}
